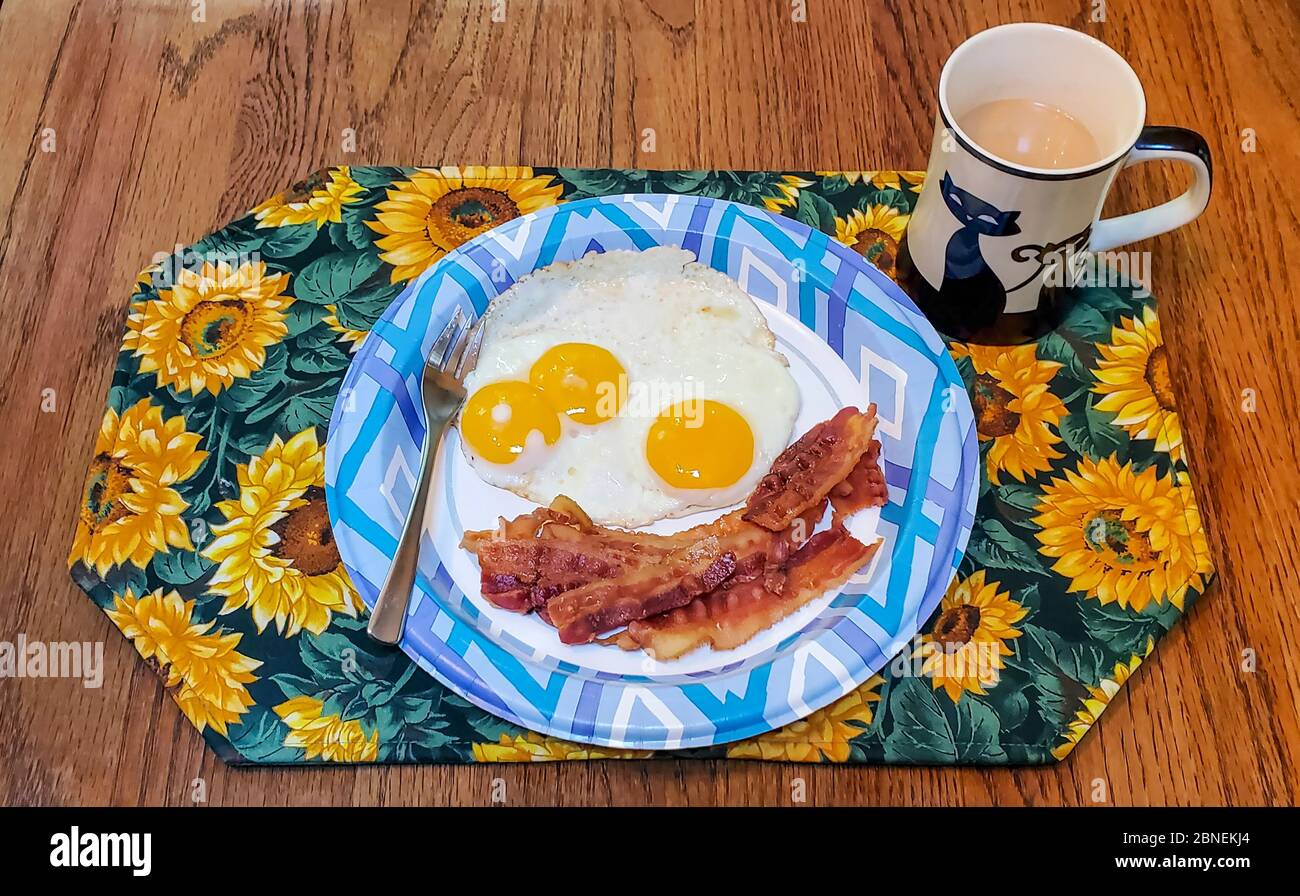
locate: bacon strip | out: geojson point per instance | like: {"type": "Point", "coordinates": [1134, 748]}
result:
{"type": "Point", "coordinates": [731, 616]}
{"type": "Point", "coordinates": [727, 549]}
{"type": "Point", "coordinates": [520, 574]}
{"type": "Point", "coordinates": [809, 469]}
{"type": "Point", "coordinates": [865, 486]}
{"type": "Point", "coordinates": [583, 613]}
{"type": "Point", "coordinates": [526, 561]}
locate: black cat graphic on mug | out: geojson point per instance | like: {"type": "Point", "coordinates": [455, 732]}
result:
{"type": "Point", "coordinates": [968, 281]}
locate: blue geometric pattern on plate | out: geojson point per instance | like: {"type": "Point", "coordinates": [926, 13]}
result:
{"type": "Point", "coordinates": [926, 424]}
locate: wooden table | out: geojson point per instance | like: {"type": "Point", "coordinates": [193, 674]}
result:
{"type": "Point", "coordinates": [128, 127]}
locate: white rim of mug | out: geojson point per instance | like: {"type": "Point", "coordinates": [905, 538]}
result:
{"type": "Point", "coordinates": [1009, 167]}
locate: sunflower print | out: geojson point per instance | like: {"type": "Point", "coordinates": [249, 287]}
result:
{"type": "Point", "coordinates": [437, 210]}
{"type": "Point", "coordinates": [144, 279]}
{"type": "Point", "coordinates": [964, 649]}
{"type": "Point", "coordinates": [1134, 383]}
{"type": "Point", "coordinates": [203, 667]}
{"type": "Point", "coordinates": [787, 193]}
{"type": "Point", "coordinates": [1095, 703]}
{"type": "Point", "coordinates": [349, 337]}
{"type": "Point", "coordinates": [130, 509]}
{"type": "Point", "coordinates": [825, 734]}
{"type": "Point", "coordinates": [1014, 409]}
{"type": "Point", "coordinates": [326, 736]}
{"type": "Point", "coordinates": [211, 328]}
{"type": "Point", "coordinates": [276, 550]}
{"type": "Point", "coordinates": [881, 180]}
{"type": "Point", "coordinates": [323, 204]}
{"type": "Point", "coordinates": [533, 747]}
{"type": "Point", "coordinates": [874, 233]}
{"type": "Point", "coordinates": [1123, 536]}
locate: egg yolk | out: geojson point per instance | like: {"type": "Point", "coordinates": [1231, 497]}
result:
{"type": "Point", "coordinates": [700, 444]}
{"type": "Point", "coordinates": [581, 380]}
{"type": "Point", "coordinates": [499, 418]}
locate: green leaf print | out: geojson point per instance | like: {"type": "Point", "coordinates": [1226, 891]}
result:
{"type": "Point", "coordinates": [301, 317]}
{"type": "Point", "coordinates": [377, 177]}
{"type": "Point", "coordinates": [247, 393]}
{"type": "Point", "coordinates": [327, 358]}
{"type": "Point", "coordinates": [310, 408]}
{"type": "Point", "coordinates": [1089, 432]}
{"type": "Point", "coordinates": [289, 240]}
{"type": "Point", "coordinates": [889, 197]}
{"type": "Point", "coordinates": [1087, 323]}
{"type": "Point", "coordinates": [1055, 347]}
{"type": "Point", "coordinates": [331, 278]}
{"type": "Point", "coordinates": [834, 184]}
{"type": "Point", "coordinates": [595, 181]}
{"type": "Point", "coordinates": [232, 242]}
{"type": "Point", "coordinates": [181, 567]}
{"type": "Point", "coordinates": [1061, 672]}
{"type": "Point", "coordinates": [1125, 631]}
{"type": "Point", "coordinates": [1022, 498]}
{"type": "Point", "coordinates": [929, 728]}
{"type": "Point", "coordinates": [816, 212]}
{"type": "Point", "coordinates": [993, 546]}
{"type": "Point", "coordinates": [361, 308]}
{"type": "Point", "coordinates": [260, 738]}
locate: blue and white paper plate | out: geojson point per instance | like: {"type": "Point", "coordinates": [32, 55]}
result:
{"type": "Point", "coordinates": [852, 337]}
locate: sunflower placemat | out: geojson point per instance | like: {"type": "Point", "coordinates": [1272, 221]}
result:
{"type": "Point", "coordinates": [203, 532]}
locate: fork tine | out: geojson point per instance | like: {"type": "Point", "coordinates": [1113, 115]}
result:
{"type": "Point", "coordinates": [466, 354]}
{"type": "Point", "coordinates": [457, 349]}
{"type": "Point", "coordinates": [439, 350]}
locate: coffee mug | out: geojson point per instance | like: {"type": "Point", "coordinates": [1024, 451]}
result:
{"type": "Point", "coordinates": [988, 233]}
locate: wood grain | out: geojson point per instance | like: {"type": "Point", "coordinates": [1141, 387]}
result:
{"type": "Point", "coordinates": [165, 127]}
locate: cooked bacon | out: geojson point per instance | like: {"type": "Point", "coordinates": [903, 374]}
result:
{"type": "Point", "coordinates": [566, 506]}
{"type": "Point", "coordinates": [529, 561]}
{"type": "Point", "coordinates": [583, 613]}
{"type": "Point", "coordinates": [865, 486]}
{"type": "Point", "coordinates": [738, 574]}
{"type": "Point", "coordinates": [725, 549]}
{"type": "Point", "coordinates": [527, 525]}
{"type": "Point", "coordinates": [526, 561]}
{"type": "Point", "coordinates": [809, 469]}
{"type": "Point", "coordinates": [730, 616]}
{"type": "Point", "coordinates": [524, 573]}
{"type": "Point", "coordinates": [784, 545]}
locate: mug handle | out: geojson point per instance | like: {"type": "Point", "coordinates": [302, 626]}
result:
{"type": "Point", "coordinates": [1161, 142]}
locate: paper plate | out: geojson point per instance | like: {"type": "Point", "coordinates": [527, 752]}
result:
{"type": "Point", "coordinates": [851, 336]}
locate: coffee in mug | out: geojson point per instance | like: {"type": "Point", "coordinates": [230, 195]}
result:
{"type": "Point", "coordinates": [1030, 133]}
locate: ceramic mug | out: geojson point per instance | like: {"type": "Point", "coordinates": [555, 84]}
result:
{"type": "Point", "coordinates": [987, 234]}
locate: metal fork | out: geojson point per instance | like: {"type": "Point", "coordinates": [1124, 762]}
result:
{"type": "Point", "coordinates": [454, 354]}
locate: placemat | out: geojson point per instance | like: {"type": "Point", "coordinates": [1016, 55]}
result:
{"type": "Point", "coordinates": [203, 532]}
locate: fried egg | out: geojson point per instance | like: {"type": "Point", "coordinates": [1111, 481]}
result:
{"type": "Point", "coordinates": [643, 385]}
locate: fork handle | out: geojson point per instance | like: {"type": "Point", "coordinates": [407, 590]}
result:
{"type": "Point", "coordinates": [388, 618]}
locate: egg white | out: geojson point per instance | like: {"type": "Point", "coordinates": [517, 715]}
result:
{"type": "Point", "coordinates": [680, 330]}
